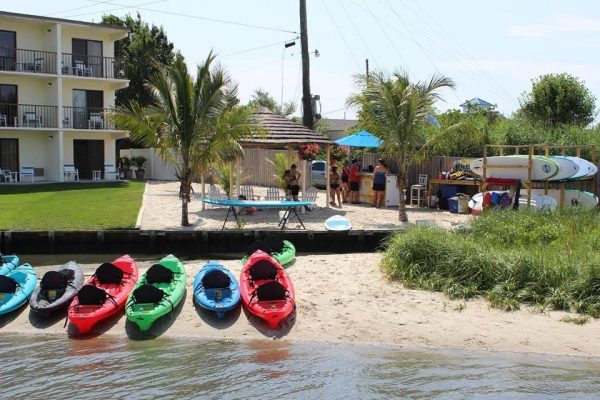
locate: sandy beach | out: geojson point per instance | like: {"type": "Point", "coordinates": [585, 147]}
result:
{"type": "Point", "coordinates": [345, 298]}
{"type": "Point", "coordinates": [162, 210]}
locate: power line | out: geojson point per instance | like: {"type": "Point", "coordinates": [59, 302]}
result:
{"type": "Point", "coordinates": [197, 17]}
{"type": "Point", "coordinates": [474, 78]}
{"type": "Point", "coordinates": [258, 48]}
{"type": "Point", "coordinates": [123, 7]}
{"type": "Point", "coordinates": [387, 36]}
{"type": "Point", "coordinates": [358, 32]}
{"type": "Point", "coordinates": [82, 7]}
{"type": "Point", "coordinates": [341, 34]}
{"type": "Point", "coordinates": [446, 36]}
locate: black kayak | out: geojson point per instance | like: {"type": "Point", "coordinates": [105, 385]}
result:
{"type": "Point", "coordinates": [57, 289]}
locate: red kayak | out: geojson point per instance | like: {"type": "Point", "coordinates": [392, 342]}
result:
{"type": "Point", "coordinates": [104, 294]}
{"type": "Point", "coordinates": [266, 289]}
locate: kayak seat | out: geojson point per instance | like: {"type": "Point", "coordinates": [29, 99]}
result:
{"type": "Point", "coordinates": [216, 279]}
{"type": "Point", "coordinates": [90, 295]}
{"type": "Point", "coordinates": [269, 245]}
{"type": "Point", "coordinates": [262, 270]}
{"type": "Point", "coordinates": [270, 291]}
{"type": "Point", "coordinates": [159, 274]}
{"type": "Point", "coordinates": [148, 294]}
{"type": "Point", "coordinates": [109, 273]}
{"type": "Point", "coordinates": [8, 284]}
{"type": "Point", "coordinates": [54, 284]}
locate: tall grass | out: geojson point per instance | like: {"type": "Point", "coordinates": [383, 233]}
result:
{"type": "Point", "coordinates": [545, 259]}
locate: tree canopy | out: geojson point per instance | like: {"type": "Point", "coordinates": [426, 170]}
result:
{"type": "Point", "coordinates": [144, 49]}
{"type": "Point", "coordinates": [559, 99]}
{"type": "Point", "coordinates": [262, 98]}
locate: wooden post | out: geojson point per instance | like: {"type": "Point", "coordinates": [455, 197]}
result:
{"type": "Point", "coordinates": [327, 175]}
{"type": "Point", "coordinates": [546, 183]}
{"type": "Point", "coordinates": [484, 177]}
{"type": "Point", "coordinates": [530, 159]}
{"type": "Point", "coordinates": [230, 179]}
{"type": "Point", "coordinates": [202, 183]}
{"type": "Point", "coordinates": [289, 155]}
{"type": "Point", "coordinates": [238, 164]}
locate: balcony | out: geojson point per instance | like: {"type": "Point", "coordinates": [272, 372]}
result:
{"type": "Point", "coordinates": [87, 118]}
{"type": "Point", "coordinates": [28, 116]}
{"type": "Point", "coordinates": [21, 60]}
{"type": "Point", "coordinates": [92, 66]}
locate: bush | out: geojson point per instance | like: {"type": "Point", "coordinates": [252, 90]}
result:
{"type": "Point", "coordinates": [545, 259]}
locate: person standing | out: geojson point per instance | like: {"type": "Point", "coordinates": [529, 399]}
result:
{"type": "Point", "coordinates": [345, 184]}
{"type": "Point", "coordinates": [334, 186]}
{"type": "Point", "coordinates": [354, 180]}
{"type": "Point", "coordinates": [379, 174]}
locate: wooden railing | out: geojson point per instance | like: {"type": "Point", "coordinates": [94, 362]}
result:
{"type": "Point", "coordinates": [28, 116]}
{"type": "Point", "coordinates": [23, 60]}
{"type": "Point", "coordinates": [86, 118]}
{"type": "Point", "coordinates": [92, 66]}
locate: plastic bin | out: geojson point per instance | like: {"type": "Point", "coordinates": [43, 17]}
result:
{"type": "Point", "coordinates": [453, 204]}
{"type": "Point", "coordinates": [449, 191]}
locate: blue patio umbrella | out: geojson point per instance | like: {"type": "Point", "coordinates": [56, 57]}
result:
{"type": "Point", "coordinates": [360, 139]}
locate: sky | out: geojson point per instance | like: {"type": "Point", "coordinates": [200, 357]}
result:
{"type": "Point", "coordinates": [491, 50]}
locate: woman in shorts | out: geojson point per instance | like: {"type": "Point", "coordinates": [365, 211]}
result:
{"type": "Point", "coordinates": [334, 187]}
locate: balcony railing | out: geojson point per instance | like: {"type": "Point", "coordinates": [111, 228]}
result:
{"type": "Point", "coordinates": [27, 60]}
{"type": "Point", "coordinates": [28, 116]}
{"type": "Point", "coordinates": [86, 118]}
{"type": "Point", "coordinates": [92, 66]}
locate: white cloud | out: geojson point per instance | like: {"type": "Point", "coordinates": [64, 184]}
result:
{"type": "Point", "coordinates": [557, 26]}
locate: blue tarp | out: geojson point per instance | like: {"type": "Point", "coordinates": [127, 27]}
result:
{"type": "Point", "coordinates": [360, 139]}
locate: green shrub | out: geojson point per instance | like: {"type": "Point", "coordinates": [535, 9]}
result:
{"type": "Point", "coordinates": [545, 259]}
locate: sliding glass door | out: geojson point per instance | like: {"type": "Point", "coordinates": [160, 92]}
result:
{"type": "Point", "coordinates": [8, 51]}
{"type": "Point", "coordinates": [8, 105]}
{"type": "Point", "coordinates": [86, 102]}
{"type": "Point", "coordinates": [9, 154]}
{"type": "Point", "coordinates": [88, 54]}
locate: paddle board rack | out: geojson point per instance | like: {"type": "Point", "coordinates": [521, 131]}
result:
{"type": "Point", "coordinates": [535, 150]}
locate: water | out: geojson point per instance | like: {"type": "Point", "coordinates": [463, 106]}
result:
{"type": "Point", "coordinates": [115, 367]}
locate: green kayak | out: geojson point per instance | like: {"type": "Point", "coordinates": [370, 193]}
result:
{"type": "Point", "coordinates": [282, 251]}
{"type": "Point", "coordinates": [157, 292]}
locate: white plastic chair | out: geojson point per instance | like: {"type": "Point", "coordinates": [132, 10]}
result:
{"type": "Point", "coordinates": [273, 194]}
{"type": "Point", "coordinates": [96, 121]}
{"type": "Point", "coordinates": [71, 171]}
{"type": "Point", "coordinates": [248, 193]}
{"type": "Point", "coordinates": [27, 171]}
{"type": "Point", "coordinates": [214, 193]}
{"type": "Point", "coordinates": [310, 194]}
{"type": "Point", "coordinates": [418, 192]}
{"type": "Point", "coordinates": [5, 176]}
{"type": "Point", "coordinates": [111, 171]}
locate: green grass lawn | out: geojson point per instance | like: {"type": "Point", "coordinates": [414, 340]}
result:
{"type": "Point", "coordinates": [70, 206]}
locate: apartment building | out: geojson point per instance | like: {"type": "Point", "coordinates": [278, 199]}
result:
{"type": "Point", "coordinates": [57, 84]}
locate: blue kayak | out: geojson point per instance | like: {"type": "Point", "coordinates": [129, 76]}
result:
{"type": "Point", "coordinates": [216, 289]}
{"type": "Point", "coordinates": [8, 264]}
{"type": "Point", "coordinates": [16, 287]}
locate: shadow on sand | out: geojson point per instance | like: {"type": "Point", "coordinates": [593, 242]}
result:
{"type": "Point", "coordinates": [101, 327]}
{"type": "Point", "coordinates": [11, 316]}
{"type": "Point", "coordinates": [158, 328]}
{"type": "Point", "coordinates": [261, 325]}
{"type": "Point", "coordinates": [210, 318]}
{"type": "Point", "coordinates": [41, 320]}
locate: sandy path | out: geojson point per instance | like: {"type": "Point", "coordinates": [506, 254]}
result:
{"type": "Point", "coordinates": [162, 210]}
{"type": "Point", "coordinates": [345, 297]}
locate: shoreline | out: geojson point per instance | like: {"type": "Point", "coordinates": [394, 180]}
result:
{"type": "Point", "coordinates": [344, 298]}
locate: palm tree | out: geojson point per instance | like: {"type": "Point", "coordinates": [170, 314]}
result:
{"type": "Point", "coordinates": [395, 110]}
{"type": "Point", "coordinates": [192, 122]}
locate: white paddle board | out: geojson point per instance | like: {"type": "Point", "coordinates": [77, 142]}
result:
{"type": "Point", "coordinates": [566, 168]}
{"type": "Point", "coordinates": [541, 168]}
{"type": "Point", "coordinates": [338, 223]}
{"type": "Point", "coordinates": [586, 168]}
{"type": "Point", "coordinates": [572, 198]}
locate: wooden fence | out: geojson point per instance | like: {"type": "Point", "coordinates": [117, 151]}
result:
{"type": "Point", "coordinates": [256, 170]}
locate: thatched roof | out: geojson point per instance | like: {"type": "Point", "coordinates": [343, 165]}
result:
{"type": "Point", "coordinates": [282, 132]}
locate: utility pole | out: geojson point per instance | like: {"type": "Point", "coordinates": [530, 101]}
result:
{"type": "Point", "coordinates": [367, 66]}
{"type": "Point", "coordinates": [307, 110]}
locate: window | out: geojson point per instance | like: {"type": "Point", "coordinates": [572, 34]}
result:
{"type": "Point", "coordinates": [88, 54]}
{"type": "Point", "coordinates": [8, 51]}
{"type": "Point", "coordinates": [318, 167]}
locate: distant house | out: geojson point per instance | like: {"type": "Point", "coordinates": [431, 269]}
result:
{"type": "Point", "coordinates": [475, 104]}
{"type": "Point", "coordinates": [337, 128]}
